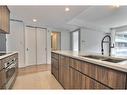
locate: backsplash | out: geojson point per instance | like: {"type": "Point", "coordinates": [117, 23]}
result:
{"type": "Point", "coordinates": [2, 42]}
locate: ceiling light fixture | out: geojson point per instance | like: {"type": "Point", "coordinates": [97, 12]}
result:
{"type": "Point", "coordinates": [67, 9]}
{"type": "Point", "coordinates": [34, 20]}
{"type": "Point", "coordinates": [117, 6]}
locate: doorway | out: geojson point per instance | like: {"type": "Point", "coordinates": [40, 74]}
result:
{"type": "Point", "coordinates": [75, 40]}
{"type": "Point", "coordinates": [56, 41]}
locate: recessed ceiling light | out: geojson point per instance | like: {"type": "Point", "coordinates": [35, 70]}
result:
{"type": "Point", "coordinates": [116, 6]}
{"type": "Point", "coordinates": [34, 20]}
{"type": "Point", "coordinates": [67, 9]}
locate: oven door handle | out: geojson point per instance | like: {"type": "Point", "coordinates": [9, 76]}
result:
{"type": "Point", "coordinates": [11, 66]}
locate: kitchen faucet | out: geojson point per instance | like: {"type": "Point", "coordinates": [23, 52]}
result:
{"type": "Point", "coordinates": [109, 42]}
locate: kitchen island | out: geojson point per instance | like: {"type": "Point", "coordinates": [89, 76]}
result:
{"type": "Point", "coordinates": [74, 71]}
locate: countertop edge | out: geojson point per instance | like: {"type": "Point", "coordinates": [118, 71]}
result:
{"type": "Point", "coordinates": [8, 54]}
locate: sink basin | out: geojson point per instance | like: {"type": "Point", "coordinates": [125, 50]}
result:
{"type": "Point", "coordinates": [114, 60]}
{"type": "Point", "coordinates": [103, 58]}
{"type": "Point", "coordinates": [95, 57]}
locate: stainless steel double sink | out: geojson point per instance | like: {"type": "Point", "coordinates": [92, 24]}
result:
{"type": "Point", "coordinates": [103, 58]}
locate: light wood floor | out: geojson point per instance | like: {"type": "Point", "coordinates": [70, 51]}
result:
{"type": "Point", "coordinates": [36, 77]}
{"type": "Point", "coordinates": [34, 69]}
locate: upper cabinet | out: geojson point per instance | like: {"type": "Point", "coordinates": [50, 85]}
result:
{"type": "Point", "coordinates": [4, 20]}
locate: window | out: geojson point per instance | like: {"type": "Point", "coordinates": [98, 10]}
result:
{"type": "Point", "coordinates": [121, 43]}
{"type": "Point", "coordinates": [75, 40]}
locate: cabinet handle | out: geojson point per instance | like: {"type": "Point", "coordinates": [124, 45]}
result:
{"type": "Point", "coordinates": [27, 49]}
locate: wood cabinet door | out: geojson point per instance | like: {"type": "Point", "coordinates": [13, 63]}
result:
{"type": "Point", "coordinates": [66, 73]}
{"type": "Point", "coordinates": [75, 79]}
{"type": "Point", "coordinates": [75, 64]}
{"type": "Point", "coordinates": [4, 19]}
{"type": "Point", "coordinates": [2, 78]}
{"type": "Point", "coordinates": [61, 69]}
{"type": "Point", "coordinates": [112, 78]}
{"type": "Point", "coordinates": [88, 83]}
{"type": "Point", "coordinates": [54, 67]}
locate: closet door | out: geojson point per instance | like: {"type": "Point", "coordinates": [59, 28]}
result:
{"type": "Point", "coordinates": [30, 44]}
{"type": "Point", "coordinates": [41, 46]}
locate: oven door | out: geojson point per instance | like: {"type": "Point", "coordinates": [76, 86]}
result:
{"type": "Point", "coordinates": [10, 73]}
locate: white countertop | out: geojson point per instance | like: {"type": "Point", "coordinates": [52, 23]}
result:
{"type": "Point", "coordinates": [121, 66]}
{"type": "Point", "coordinates": [6, 55]}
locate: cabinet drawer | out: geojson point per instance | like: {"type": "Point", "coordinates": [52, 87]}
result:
{"type": "Point", "coordinates": [75, 64]}
{"type": "Point", "coordinates": [88, 69]}
{"type": "Point", "coordinates": [54, 55]}
{"type": "Point", "coordinates": [62, 60]}
{"type": "Point", "coordinates": [54, 63]}
{"type": "Point", "coordinates": [112, 78]}
{"type": "Point", "coordinates": [75, 79]}
{"type": "Point", "coordinates": [55, 72]}
{"type": "Point", "coordinates": [88, 83]}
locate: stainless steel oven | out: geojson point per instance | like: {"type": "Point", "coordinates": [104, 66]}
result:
{"type": "Point", "coordinates": [10, 71]}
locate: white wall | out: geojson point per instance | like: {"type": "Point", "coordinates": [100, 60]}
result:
{"type": "Point", "coordinates": [91, 40]}
{"type": "Point", "coordinates": [65, 40]}
{"type": "Point", "coordinates": [15, 40]}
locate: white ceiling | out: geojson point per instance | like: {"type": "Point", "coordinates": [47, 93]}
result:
{"type": "Point", "coordinates": [51, 16]}
{"type": "Point", "coordinates": [78, 16]}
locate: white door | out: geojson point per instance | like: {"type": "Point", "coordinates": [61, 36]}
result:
{"type": "Point", "coordinates": [41, 46]}
{"type": "Point", "coordinates": [30, 46]}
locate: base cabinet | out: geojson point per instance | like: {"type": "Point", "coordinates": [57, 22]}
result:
{"type": "Point", "coordinates": [73, 73]}
{"type": "Point", "coordinates": [75, 79]}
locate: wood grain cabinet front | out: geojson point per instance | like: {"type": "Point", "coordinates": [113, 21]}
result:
{"type": "Point", "coordinates": [77, 74]}
{"type": "Point", "coordinates": [4, 19]}
{"type": "Point", "coordinates": [88, 83]}
{"type": "Point", "coordinates": [2, 78]}
{"type": "Point", "coordinates": [112, 78]}
{"type": "Point", "coordinates": [64, 71]}
{"type": "Point", "coordinates": [75, 79]}
{"type": "Point", "coordinates": [54, 64]}
{"type": "Point", "coordinates": [75, 64]}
